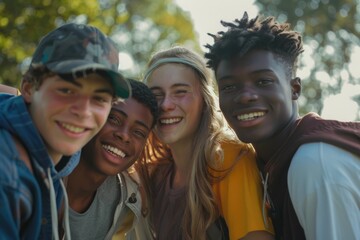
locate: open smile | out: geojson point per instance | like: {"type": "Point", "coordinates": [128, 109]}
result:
{"type": "Point", "coordinates": [168, 121]}
{"type": "Point", "coordinates": [114, 151]}
{"type": "Point", "coordinates": [250, 116]}
{"type": "Point", "coordinates": [72, 128]}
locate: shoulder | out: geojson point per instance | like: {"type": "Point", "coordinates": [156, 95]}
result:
{"type": "Point", "coordinates": [12, 153]}
{"type": "Point", "coordinates": [135, 197]}
{"type": "Point", "coordinates": [132, 179]}
{"type": "Point", "coordinates": [240, 154]}
{"type": "Point", "coordinates": [239, 168]}
{"type": "Point", "coordinates": [323, 162]}
{"type": "Point", "coordinates": [322, 154]}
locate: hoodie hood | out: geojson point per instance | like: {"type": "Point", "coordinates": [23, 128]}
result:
{"type": "Point", "coordinates": [15, 118]}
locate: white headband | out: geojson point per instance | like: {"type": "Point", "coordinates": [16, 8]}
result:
{"type": "Point", "coordinates": [172, 60]}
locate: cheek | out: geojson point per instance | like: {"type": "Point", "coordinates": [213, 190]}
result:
{"type": "Point", "coordinates": [44, 104]}
{"type": "Point", "coordinates": [101, 115]}
{"type": "Point", "coordinates": [196, 109]}
{"type": "Point", "coordinates": [139, 145]}
{"type": "Point", "coordinates": [224, 99]}
{"type": "Point", "coordinates": [194, 102]}
{"type": "Point", "coordinates": [221, 103]}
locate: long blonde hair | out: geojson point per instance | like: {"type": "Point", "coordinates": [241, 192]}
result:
{"type": "Point", "coordinates": [213, 130]}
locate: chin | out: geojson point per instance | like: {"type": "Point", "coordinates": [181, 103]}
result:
{"type": "Point", "coordinates": [68, 151]}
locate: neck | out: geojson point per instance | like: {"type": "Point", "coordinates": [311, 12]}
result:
{"type": "Point", "coordinates": [183, 163]}
{"type": "Point", "coordinates": [266, 148]}
{"type": "Point", "coordinates": [81, 187]}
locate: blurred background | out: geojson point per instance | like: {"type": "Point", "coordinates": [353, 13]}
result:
{"type": "Point", "coordinates": [330, 65]}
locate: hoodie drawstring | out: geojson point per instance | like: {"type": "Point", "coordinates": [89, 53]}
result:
{"type": "Point", "coordinates": [264, 198]}
{"type": "Point", "coordinates": [66, 212]}
{"type": "Point", "coordinates": [54, 212]}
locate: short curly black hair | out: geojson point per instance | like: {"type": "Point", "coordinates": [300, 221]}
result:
{"type": "Point", "coordinates": [247, 34]}
{"type": "Point", "coordinates": [143, 94]}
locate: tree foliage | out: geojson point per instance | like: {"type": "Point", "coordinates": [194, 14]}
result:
{"type": "Point", "coordinates": [138, 27]}
{"type": "Point", "coordinates": [330, 30]}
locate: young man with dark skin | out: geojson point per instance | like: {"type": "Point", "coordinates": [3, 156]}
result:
{"type": "Point", "coordinates": [310, 166]}
{"type": "Point", "coordinates": [103, 197]}
{"type": "Point", "coordinates": [66, 96]}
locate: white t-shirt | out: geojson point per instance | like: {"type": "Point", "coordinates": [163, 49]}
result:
{"type": "Point", "coordinates": [324, 187]}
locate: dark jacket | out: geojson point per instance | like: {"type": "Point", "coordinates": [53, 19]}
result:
{"type": "Point", "coordinates": [310, 128]}
{"type": "Point", "coordinates": [25, 211]}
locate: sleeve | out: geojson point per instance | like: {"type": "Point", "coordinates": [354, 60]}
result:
{"type": "Point", "coordinates": [17, 190]}
{"type": "Point", "coordinates": [239, 195]}
{"type": "Point", "coordinates": [9, 216]}
{"type": "Point", "coordinates": [323, 183]}
{"type": "Point", "coordinates": [9, 193]}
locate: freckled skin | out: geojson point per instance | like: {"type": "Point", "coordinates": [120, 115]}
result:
{"type": "Point", "coordinates": [59, 107]}
{"type": "Point", "coordinates": [177, 90]}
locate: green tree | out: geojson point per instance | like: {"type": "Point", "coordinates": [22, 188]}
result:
{"type": "Point", "coordinates": [138, 27]}
{"type": "Point", "coordinates": [330, 31]}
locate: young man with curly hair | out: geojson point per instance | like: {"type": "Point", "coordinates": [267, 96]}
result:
{"type": "Point", "coordinates": [102, 190]}
{"type": "Point", "coordinates": [310, 166]}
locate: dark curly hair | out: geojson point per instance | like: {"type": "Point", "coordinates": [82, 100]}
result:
{"type": "Point", "coordinates": [37, 74]}
{"type": "Point", "coordinates": [247, 34]}
{"type": "Point", "coordinates": [142, 94]}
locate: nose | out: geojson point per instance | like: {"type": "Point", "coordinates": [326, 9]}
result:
{"type": "Point", "coordinates": [246, 95]}
{"type": "Point", "coordinates": [81, 107]}
{"type": "Point", "coordinates": [122, 134]}
{"type": "Point", "coordinates": [167, 104]}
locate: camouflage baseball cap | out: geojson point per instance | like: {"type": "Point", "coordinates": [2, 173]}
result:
{"type": "Point", "coordinates": [77, 48]}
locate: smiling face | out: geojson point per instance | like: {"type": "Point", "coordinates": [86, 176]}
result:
{"type": "Point", "coordinates": [68, 114]}
{"type": "Point", "coordinates": [119, 143]}
{"type": "Point", "coordinates": [177, 90]}
{"type": "Point", "coordinates": [256, 96]}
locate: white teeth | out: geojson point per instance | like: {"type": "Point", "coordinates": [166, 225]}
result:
{"type": "Point", "coordinates": [250, 116]}
{"type": "Point", "coordinates": [170, 120]}
{"type": "Point", "coordinates": [72, 128]}
{"type": "Point", "coordinates": [114, 150]}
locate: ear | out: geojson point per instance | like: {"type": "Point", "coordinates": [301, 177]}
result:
{"type": "Point", "coordinates": [27, 89]}
{"type": "Point", "coordinates": [295, 88]}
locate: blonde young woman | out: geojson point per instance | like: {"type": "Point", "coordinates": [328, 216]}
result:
{"type": "Point", "coordinates": [188, 144]}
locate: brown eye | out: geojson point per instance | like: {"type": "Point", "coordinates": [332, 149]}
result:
{"type": "Point", "coordinates": [66, 91]}
{"type": "Point", "coordinates": [114, 120]}
{"type": "Point", "coordinates": [265, 82]}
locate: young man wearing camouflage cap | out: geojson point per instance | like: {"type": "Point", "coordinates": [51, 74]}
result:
{"type": "Point", "coordinates": [66, 96]}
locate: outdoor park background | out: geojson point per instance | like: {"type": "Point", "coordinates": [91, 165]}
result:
{"type": "Point", "coordinates": [329, 68]}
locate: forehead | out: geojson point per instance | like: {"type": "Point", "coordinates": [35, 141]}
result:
{"type": "Point", "coordinates": [87, 80]}
{"type": "Point", "coordinates": [173, 74]}
{"type": "Point", "coordinates": [253, 61]}
{"type": "Point", "coordinates": [134, 110]}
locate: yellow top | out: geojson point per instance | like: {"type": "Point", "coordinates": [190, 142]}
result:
{"type": "Point", "coordinates": [240, 194]}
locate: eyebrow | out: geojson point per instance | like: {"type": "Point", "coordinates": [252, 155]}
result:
{"type": "Point", "coordinates": [251, 73]}
{"type": "Point", "coordinates": [99, 90]}
{"type": "Point", "coordinates": [105, 90]}
{"type": "Point", "coordinates": [137, 121]}
{"type": "Point", "coordinates": [262, 70]}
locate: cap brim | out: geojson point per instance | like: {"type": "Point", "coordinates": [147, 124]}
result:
{"type": "Point", "coordinates": [121, 85]}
